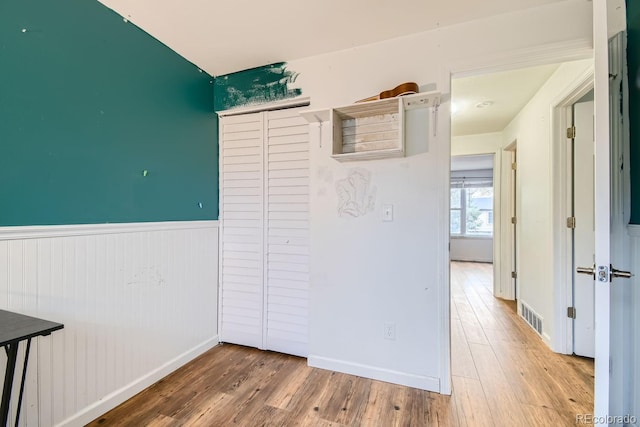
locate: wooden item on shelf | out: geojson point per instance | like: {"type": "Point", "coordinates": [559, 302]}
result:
{"type": "Point", "coordinates": [402, 89]}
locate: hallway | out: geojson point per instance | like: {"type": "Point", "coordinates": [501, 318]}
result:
{"type": "Point", "coordinates": [503, 374]}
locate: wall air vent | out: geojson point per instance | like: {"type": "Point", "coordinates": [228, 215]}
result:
{"type": "Point", "coordinates": [533, 319]}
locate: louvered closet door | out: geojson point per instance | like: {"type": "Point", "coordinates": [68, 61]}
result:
{"type": "Point", "coordinates": [287, 232]}
{"type": "Point", "coordinates": [264, 219]}
{"type": "Point", "coordinates": [242, 229]}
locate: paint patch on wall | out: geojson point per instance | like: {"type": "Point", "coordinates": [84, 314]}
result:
{"type": "Point", "coordinates": [633, 66]}
{"type": "Point", "coordinates": [356, 195]}
{"type": "Point", "coordinates": [254, 86]}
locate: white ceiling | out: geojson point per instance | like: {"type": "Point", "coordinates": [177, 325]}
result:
{"type": "Point", "coordinates": [508, 92]}
{"type": "Point", "coordinates": [226, 36]}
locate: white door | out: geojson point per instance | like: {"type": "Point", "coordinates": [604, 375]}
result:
{"type": "Point", "coordinates": [610, 367]}
{"type": "Point", "coordinates": [264, 216]}
{"type": "Point", "coordinates": [241, 293]}
{"type": "Point", "coordinates": [583, 232]}
{"type": "Point", "coordinates": [287, 232]}
{"type": "Point", "coordinates": [623, 375]}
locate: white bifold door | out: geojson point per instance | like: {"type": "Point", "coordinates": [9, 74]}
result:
{"type": "Point", "coordinates": [264, 216]}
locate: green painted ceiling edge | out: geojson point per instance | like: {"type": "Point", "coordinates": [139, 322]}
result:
{"type": "Point", "coordinates": [254, 86]}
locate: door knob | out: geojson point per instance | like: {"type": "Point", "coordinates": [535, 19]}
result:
{"type": "Point", "coordinates": [603, 273]}
{"type": "Point", "coordinates": [587, 270]}
{"type": "Point", "coordinates": [619, 273]}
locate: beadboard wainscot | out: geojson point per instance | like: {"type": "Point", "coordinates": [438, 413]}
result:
{"type": "Point", "coordinates": [627, 322]}
{"type": "Point", "coordinates": [137, 301]}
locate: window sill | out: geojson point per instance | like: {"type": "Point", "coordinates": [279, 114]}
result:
{"type": "Point", "coordinates": [454, 236]}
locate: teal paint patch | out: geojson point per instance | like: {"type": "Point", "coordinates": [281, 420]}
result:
{"type": "Point", "coordinates": [100, 122]}
{"type": "Point", "coordinates": [255, 86]}
{"type": "Point", "coordinates": [633, 64]}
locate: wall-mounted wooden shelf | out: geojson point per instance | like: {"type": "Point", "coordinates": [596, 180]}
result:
{"type": "Point", "coordinates": [373, 129]}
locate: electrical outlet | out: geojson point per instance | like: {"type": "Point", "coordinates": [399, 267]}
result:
{"type": "Point", "coordinates": [390, 331]}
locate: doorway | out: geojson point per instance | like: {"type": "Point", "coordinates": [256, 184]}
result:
{"type": "Point", "coordinates": [530, 185]}
{"type": "Point", "coordinates": [472, 208]}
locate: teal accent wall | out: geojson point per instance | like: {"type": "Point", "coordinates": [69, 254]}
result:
{"type": "Point", "coordinates": [633, 63]}
{"type": "Point", "coordinates": [88, 103]}
{"type": "Point", "coordinates": [255, 86]}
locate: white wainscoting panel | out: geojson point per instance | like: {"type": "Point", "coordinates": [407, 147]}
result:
{"type": "Point", "coordinates": [137, 301]}
{"type": "Point", "coordinates": [627, 330]}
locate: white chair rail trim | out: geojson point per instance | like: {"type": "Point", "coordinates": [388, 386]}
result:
{"type": "Point", "coordinates": [43, 231]}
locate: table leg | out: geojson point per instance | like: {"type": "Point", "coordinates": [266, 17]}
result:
{"type": "Point", "coordinates": [24, 377]}
{"type": "Point", "coordinates": [12, 355]}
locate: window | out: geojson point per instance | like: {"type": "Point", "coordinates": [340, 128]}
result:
{"type": "Point", "coordinates": [456, 210]}
{"type": "Point", "coordinates": [471, 204]}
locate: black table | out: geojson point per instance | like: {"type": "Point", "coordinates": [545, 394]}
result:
{"type": "Point", "coordinates": [14, 328]}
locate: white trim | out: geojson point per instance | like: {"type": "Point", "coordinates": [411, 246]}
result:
{"type": "Point", "coordinates": [506, 252]}
{"type": "Point", "coordinates": [633, 230]}
{"type": "Point", "coordinates": [539, 55]}
{"type": "Point", "coordinates": [443, 151]}
{"type": "Point", "coordinates": [373, 372]}
{"type": "Point", "coordinates": [221, 222]}
{"type": "Point", "coordinates": [257, 108]}
{"type": "Point", "coordinates": [602, 191]}
{"type": "Point", "coordinates": [265, 231]}
{"type": "Point", "coordinates": [114, 399]}
{"type": "Point", "coordinates": [46, 231]}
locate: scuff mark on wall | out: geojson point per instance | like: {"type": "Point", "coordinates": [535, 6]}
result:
{"type": "Point", "coordinates": [147, 276]}
{"type": "Point", "coordinates": [254, 86]}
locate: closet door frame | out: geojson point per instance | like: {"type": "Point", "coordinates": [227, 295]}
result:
{"type": "Point", "coordinates": [224, 116]}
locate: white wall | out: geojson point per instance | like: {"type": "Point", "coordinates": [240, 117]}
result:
{"type": "Point", "coordinates": [137, 301]}
{"type": "Point", "coordinates": [365, 272]}
{"type": "Point", "coordinates": [482, 143]}
{"type": "Point", "coordinates": [472, 249]}
{"type": "Point", "coordinates": [532, 130]}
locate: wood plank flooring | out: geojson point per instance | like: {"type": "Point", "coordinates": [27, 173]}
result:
{"type": "Point", "coordinates": [502, 373]}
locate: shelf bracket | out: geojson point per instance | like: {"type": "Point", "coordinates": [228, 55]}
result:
{"type": "Point", "coordinates": [435, 119]}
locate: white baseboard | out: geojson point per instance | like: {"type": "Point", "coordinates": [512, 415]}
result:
{"type": "Point", "coordinates": [114, 399]}
{"type": "Point", "coordinates": [473, 259]}
{"type": "Point", "coordinates": [376, 373]}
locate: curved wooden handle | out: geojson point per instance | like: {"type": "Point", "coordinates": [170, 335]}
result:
{"type": "Point", "coordinates": [402, 89]}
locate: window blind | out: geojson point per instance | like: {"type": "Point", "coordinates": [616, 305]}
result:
{"type": "Point", "coordinates": [472, 178]}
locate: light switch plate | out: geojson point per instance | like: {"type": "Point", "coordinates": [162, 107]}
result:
{"type": "Point", "coordinates": [387, 212]}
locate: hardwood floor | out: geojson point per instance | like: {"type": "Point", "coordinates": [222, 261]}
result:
{"type": "Point", "coordinates": [503, 375]}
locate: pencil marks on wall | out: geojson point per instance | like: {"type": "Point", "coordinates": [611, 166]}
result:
{"type": "Point", "coordinates": [356, 195]}
{"type": "Point", "coordinates": [147, 276]}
